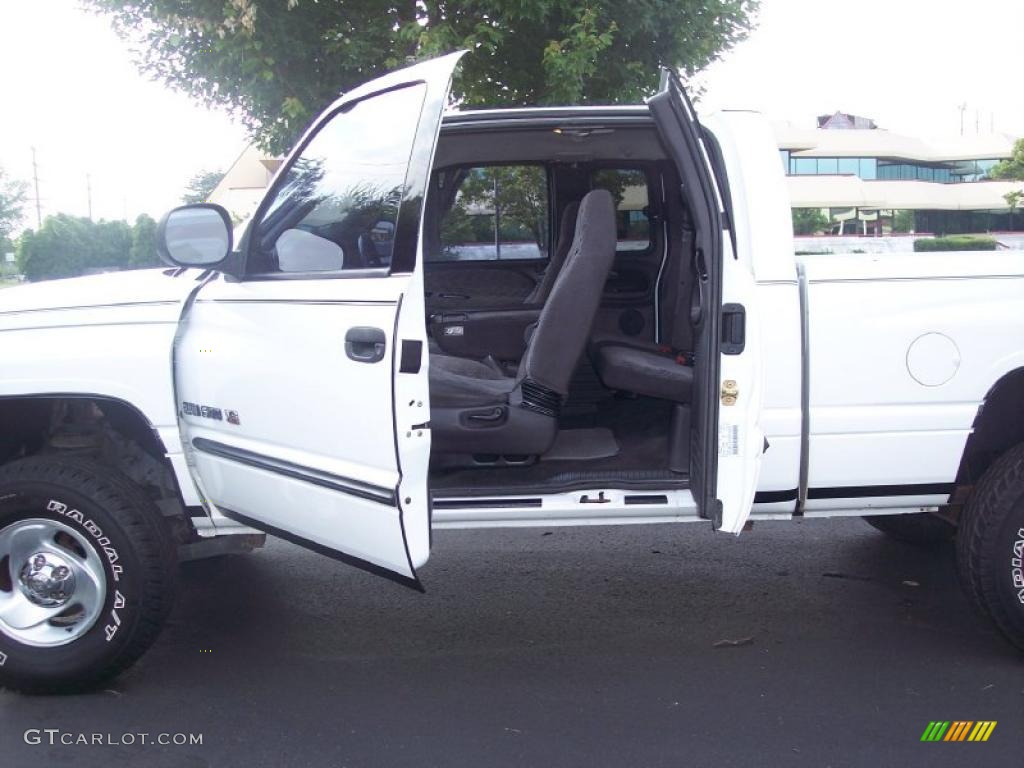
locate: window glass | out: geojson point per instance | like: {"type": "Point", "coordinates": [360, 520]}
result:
{"type": "Point", "coordinates": [784, 156]}
{"type": "Point", "coordinates": [828, 166]}
{"type": "Point", "coordinates": [868, 168]}
{"type": "Point", "coordinates": [338, 203]}
{"type": "Point", "coordinates": [984, 166]}
{"type": "Point", "coordinates": [849, 166]}
{"type": "Point", "coordinates": [629, 189]}
{"type": "Point", "coordinates": [491, 213]}
{"type": "Point", "coordinates": [805, 166]}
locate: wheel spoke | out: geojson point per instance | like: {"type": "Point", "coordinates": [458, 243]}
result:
{"type": "Point", "coordinates": [91, 562]}
{"type": "Point", "coordinates": [88, 589]}
{"type": "Point", "coordinates": [20, 542]}
{"type": "Point", "coordinates": [17, 612]}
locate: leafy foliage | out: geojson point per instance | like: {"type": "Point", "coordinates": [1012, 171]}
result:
{"type": "Point", "coordinates": [1013, 200]}
{"type": "Point", "coordinates": [201, 185]}
{"type": "Point", "coordinates": [955, 243]}
{"type": "Point", "coordinates": [904, 220]}
{"type": "Point", "coordinates": [509, 198]}
{"type": "Point", "coordinates": [12, 207]}
{"type": "Point", "coordinates": [277, 62]}
{"type": "Point", "coordinates": [809, 221]}
{"type": "Point", "coordinates": [142, 252]}
{"type": "Point", "coordinates": [1011, 168]}
{"type": "Point", "coordinates": [67, 246]}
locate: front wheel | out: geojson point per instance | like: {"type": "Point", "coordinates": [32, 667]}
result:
{"type": "Point", "coordinates": [87, 573]}
{"type": "Point", "coordinates": [990, 545]}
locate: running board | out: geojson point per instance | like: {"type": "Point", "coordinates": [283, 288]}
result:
{"type": "Point", "coordinates": [592, 507]}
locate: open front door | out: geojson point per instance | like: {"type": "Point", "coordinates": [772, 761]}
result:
{"type": "Point", "coordinates": [726, 442]}
{"type": "Point", "coordinates": [302, 387]}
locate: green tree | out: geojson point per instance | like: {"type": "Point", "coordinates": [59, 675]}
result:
{"type": "Point", "coordinates": [903, 220]}
{"type": "Point", "coordinates": [275, 63]}
{"type": "Point", "coordinates": [12, 207]}
{"type": "Point", "coordinates": [201, 185]}
{"type": "Point", "coordinates": [1013, 200]}
{"type": "Point", "coordinates": [809, 221]}
{"type": "Point", "coordinates": [143, 249]}
{"type": "Point", "coordinates": [66, 246]}
{"type": "Point", "coordinates": [511, 198]}
{"type": "Point", "coordinates": [1011, 168]}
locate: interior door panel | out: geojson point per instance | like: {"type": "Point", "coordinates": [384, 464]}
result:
{"type": "Point", "coordinates": [629, 282]}
{"type": "Point", "coordinates": [500, 333]}
{"type": "Point", "coordinates": [479, 285]}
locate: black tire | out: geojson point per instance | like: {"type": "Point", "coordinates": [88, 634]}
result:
{"type": "Point", "coordinates": [138, 559]}
{"type": "Point", "coordinates": [922, 529]}
{"type": "Point", "coordinates": [990, 545]}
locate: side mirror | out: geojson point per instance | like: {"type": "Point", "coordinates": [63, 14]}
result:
{"type": "Point", "coordinates": [195, 236]}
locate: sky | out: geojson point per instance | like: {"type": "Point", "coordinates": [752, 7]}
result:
{"type": "Point", "coordinates": [70, 89]}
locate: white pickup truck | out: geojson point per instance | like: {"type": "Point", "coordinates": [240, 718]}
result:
{"type": "Point", "coordinates": [526, 317]}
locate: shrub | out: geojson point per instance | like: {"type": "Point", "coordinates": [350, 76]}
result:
{"type": "Point", "coordinates": [809, 221]}
{"type": "Point", "coordinates": [956, 243]}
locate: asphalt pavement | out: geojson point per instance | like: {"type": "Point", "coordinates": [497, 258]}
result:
{"type": "Point", "coordinates": [819, 643]}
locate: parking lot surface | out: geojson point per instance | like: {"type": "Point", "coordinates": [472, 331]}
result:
{"type": "Point", "coordinates": [819, 643]}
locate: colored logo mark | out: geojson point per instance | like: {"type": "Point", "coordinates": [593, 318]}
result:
{"type": "Point", "coordinates": [958, 730]}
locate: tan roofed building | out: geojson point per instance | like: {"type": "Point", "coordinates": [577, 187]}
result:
{"type": "Point", "coordinates": [860, 177]}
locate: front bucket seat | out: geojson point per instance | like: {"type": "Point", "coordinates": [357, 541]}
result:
{"type": "Point", "coordinates": [476, 408]}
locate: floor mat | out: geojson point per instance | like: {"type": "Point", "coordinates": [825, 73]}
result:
{"type": "Point", "coordinates": [640, 429]}
{"type": "Point", "coordinates": [582, 445]}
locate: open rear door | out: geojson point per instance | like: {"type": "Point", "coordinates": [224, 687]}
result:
{"type": "Point", "coordinates": [726, 443]}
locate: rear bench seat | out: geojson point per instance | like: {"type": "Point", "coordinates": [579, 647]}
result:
{"type": "Point", "coordinates": [643, 368]}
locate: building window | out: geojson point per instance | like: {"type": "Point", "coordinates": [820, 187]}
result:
{"type": "Point", "coordinates": [870, 168]}
{"type": "Point", "coordinates": [849, 166]}
{"type": "Point", "coordinates": [828, 166]}
{"type": "Point", "coordinates": [805, 166]}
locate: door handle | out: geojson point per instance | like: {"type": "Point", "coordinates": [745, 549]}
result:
{"type": "Point", "coordinates": [734, 329]}
{"type": "Point", "coordinates": [365, 345]}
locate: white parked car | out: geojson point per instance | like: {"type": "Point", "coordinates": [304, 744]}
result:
{"type": "Point", "coordinates": [336, 378]}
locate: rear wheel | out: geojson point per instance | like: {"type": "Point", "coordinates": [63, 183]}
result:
{"type": "Point", "coordinates": [87, 572]}
{"type": "Point", "coordinates": [990, 545]}
{"type": "Point", "coordinates": [922, 529]}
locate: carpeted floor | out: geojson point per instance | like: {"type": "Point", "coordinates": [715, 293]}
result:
{"type": "Point", "coordinates": [639, 425]}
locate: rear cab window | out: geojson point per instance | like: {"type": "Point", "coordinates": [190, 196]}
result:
{"type": "Point", "coordinates": [491, 213]}
{"type": "Point", "coordinates": [629, 189]}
